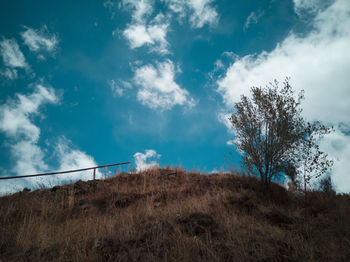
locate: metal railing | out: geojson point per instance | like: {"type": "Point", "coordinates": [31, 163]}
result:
{"type": "Point", "coordinates": [65, 172]}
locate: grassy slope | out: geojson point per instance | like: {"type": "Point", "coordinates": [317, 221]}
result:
{"type": "Point", "coordinates": [154, 216]}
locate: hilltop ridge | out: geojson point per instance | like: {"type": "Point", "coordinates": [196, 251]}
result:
{"type": "Point", "coordinates": [173, 215]}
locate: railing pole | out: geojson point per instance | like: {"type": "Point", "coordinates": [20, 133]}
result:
{"type": "Point", "coordinates": [94, 173]}
{"type": "Point", "coordinates": [64, 172]}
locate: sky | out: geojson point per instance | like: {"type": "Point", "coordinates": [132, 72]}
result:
{"type": "Point", "coordinates": [85, 83]}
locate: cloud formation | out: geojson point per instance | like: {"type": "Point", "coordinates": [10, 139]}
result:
{"type": "Point", "coordinates": [119, 87]}
{"type": "Point", "coordinates": [199, 12]}
{"type": "Point", "coordinates": [318, 62]}
{"type": "Point", "coordinates": [145, 32]}
{"type": "Point", "coordinates": [310, 6]}
{"type": "Point", "coordinates": [15, 115]}
{"type": "Point", "coordinates": [16, 122]}
{"type": "Point", "coordinates": [11, 54]}
{"type": "Point", "coordinates": [28, 156]}
{"type": "Point", "coordinates": [39, 40]}
{"type": "Point", "coordinates": [70, 159]}
{"type": "Point", "coordinates": [146, 160]}
{"type": "Point", "coordinates": [337, 145]}
{"type": "Point", "coordinates": [252, 19]}
{"type": "Point", "coordinates": [158, 89]}
{"type": "Point", "coordinates": [224, 119]}
{"type": "Point", "coordinates": [152, 35]}
{"type": "Point", "coordinates": [141, 9]}
{"type": "Point", "coordinates": [9, 73]}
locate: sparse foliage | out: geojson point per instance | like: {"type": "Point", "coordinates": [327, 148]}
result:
{"type": "Point", "coordinates": [314, 163]}
{"type": "Point", "coordinates": [274, 138]}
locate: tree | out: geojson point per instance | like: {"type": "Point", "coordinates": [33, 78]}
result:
{"type": "Point", "coordinates": [313, 162]}
{"type": "Point", "coordinates": [272, 136]}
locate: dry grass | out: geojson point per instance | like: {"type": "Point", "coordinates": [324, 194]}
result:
{"type": "Point", "coordinates": [154, 216]}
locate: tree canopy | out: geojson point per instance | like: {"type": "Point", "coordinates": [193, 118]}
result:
{"type": "Point", "coordinates": [273, 137]}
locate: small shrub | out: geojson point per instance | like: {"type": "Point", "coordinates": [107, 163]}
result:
{"type": "Point", "coordinates": [326, 185]}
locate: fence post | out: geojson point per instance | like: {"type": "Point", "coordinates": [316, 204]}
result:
{"type": "Point", "coordinates": [94, 173]}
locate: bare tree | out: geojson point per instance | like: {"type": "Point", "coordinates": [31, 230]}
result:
{"type": "Point", "coordinates": [313, 162]}
{"type": "Point", "coordinates": [272, 135]}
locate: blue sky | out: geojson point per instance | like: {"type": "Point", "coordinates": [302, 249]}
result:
{"type": "Point", "coordinates": [99, 82]}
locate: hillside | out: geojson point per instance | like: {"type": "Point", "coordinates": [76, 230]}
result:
{"type": "Point", "coordinates": [173, 215]}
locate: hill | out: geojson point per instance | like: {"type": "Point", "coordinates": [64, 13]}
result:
{"type": "Point", "coordinates": [173, 215]}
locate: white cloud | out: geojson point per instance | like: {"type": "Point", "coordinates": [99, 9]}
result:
{"type": "Point", "coordinates": [116, 89]}
{"type": "Point", "coordinates": [146, 160]}
{"type": "Point", "coordinates": [29, 158]}
{"type": "Point", "coordinates": [140, 31]}
{"type": "Point", "coordinates": [337, 145]}
{"type": "Point", "coordinates": [158, 89]}
{"type": "Point", "coordinates": [144, 31]}
{"type": "Point", "coordinates": [177, 6]}
{"type": "Point", "coordinates": [319, 63]}
{"type": "Point", "coordinates": [224, 119]}
{"type": "Point", "coordinates": [119, 87]}
{"type": "Point", "coordinates": [221, 64]}
{"type": "Point", "coordinates": [15, 116]}
{"type": "Point", "coordinates": [39, 40]}
{"type": "Point", "coordinates": [16, 122]}
{"type": "Point", "coordinates": [152, 35]}
{"type": "Point", "coordinates": [200, 12]}
{"type": "Point", "coordinates": [111, 7]}
{"type": "Point", "coordinates": [203, 13]}
{"type": "Point", "coordinates": [141, 9]}
{"type": "Point", "coordinates": [310, 6]}
{"type": "Point", "coordinates": [9, 73]}
{"type": "Point", "coordinates": [70, 159]}
{"type": "Point", "coordinates": [253, 18]}
{"type": "Point", "coordinates": [11, 54]}
{"type": "Point", "coordinates": [9, 187]}
{"type": "Point", "coordinates": [218, 65]}
{"type": "Point", "coordinates": [230, 142]}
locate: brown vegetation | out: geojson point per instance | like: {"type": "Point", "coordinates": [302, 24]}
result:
{"type": "Point", "coordinates": [184, 216]}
